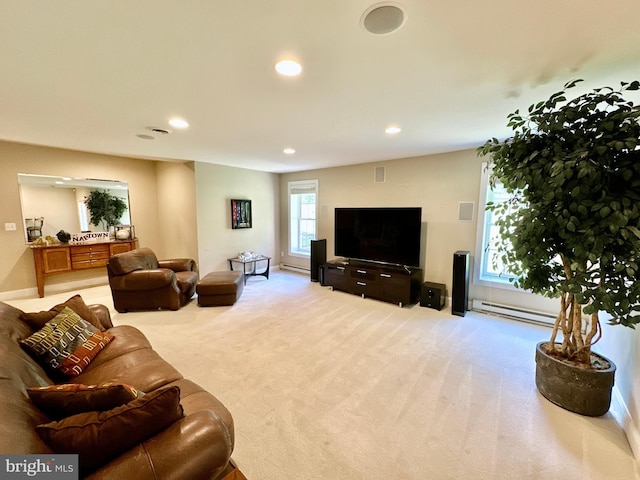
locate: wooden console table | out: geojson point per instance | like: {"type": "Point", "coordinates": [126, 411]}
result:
{"type": "Point", "coordinates": [62, 258]}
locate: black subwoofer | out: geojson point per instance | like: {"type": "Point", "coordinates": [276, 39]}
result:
{"type": "Point", "coordinates": [318, 258]}
{"type": "Point", "coordinates": [433, 295]}
{"type": "Point", "coordinates": [460, 283]}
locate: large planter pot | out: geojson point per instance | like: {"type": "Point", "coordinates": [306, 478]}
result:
{"type": "Point", "coordinates": [574, 388]}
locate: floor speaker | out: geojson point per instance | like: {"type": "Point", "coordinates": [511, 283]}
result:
{"type": "Point", "coordinates": [460, 283]}
{"type": "Point", "coordinates": [432, 295]}
{"type": "Point", "coordinates": [318, 258]}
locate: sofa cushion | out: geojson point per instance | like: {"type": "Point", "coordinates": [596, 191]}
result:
{"type": "Point", "coordinates": [101, 436]}
{"type": "Point", "coordinates": [36, 320]}
{"type": "Point", "coordinates": [67, 343]}
{"type": "Point", "coordinates": [138, 259]}
{"type": "Point", "coordinates": [59, 401]}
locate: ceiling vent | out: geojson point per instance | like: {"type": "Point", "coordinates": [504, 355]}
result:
{"type": "Point", "coordinates": [159, 131]}
{"type": "Point", "coordinates": [383, 18]}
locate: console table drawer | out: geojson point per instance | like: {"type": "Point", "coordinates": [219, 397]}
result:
{"type": "Point", "coordinates": [89, 261]}
{"type": "Point", "coordinates": [89, 250]}
{"type": "Point", "coordinates": [89, 256]}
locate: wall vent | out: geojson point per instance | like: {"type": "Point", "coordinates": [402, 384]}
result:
{"type": "Point", "coordinates": [380, 174]}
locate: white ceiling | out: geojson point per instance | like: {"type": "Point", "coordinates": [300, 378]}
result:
{"type": "Point", "coordinates": [92, 75]}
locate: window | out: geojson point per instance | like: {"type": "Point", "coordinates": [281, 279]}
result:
{"type": "Point", "coordinates": [488, 266]}
{"type": "Point", "coordinates": [302, 216]}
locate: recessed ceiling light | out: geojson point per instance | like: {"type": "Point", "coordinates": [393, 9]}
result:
{"type": "Point", "coordinates": [145, 137]}
{"type": "Point", "coordinates": [289, 151]}
{"type": "Point", "coordinates": [392, 130]}
{"type": "Point", "coordinates": [289, 68]}
{"type": "Point", "coordinates": [178, 123]}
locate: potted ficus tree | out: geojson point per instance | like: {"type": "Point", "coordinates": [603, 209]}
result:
{"type": "Point", "coordinates": [104, 208]}
{"type": "Point", "coordinates": [571, 229]}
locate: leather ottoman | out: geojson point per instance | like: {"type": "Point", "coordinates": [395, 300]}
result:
{"type": "Point", "coordinates": [217, 289]}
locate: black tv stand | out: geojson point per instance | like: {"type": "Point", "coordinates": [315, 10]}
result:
{"type": "Point", "coordinates": [389, 283]}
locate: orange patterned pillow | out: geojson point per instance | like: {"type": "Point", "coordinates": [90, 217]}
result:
{"type": "Point", "coordinates": [67, 343]}
{"type": "Point", "coordinates": [59, 401]}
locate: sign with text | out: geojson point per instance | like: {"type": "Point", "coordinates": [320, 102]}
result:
{"type": "Point", "coordinates": [39, 466]}
{"type": "Point", "coordinates": [89, 237]}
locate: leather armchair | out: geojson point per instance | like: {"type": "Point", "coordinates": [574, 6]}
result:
{"type": "Point", "coordinates": [139, 281]}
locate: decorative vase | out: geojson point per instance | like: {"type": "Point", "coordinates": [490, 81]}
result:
{"type": "Point", "coordinates": [122, 234]}
{"type": "Point", "coordinates": [573, 387]}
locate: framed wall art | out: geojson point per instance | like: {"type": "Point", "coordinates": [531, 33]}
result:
{"type": "Point", "coordinates": [241, 214]}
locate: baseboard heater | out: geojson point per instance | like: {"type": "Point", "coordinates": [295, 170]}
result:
{"type": "Point", "coordinates": [295, 268]}
{"type": "Point", "coordinates": [517, 313]}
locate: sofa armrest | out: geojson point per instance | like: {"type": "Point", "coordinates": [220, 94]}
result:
{"type": "Point", "coordinates": [179, 264]}
{"type": "Point", "coordinates": [102, 314]}
{"type": "Point", "coordinates": [144, 279]}
{"type": "Point", "coordinates": [196, 446]}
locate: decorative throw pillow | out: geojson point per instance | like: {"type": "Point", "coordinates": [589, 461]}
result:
{"type": "Point", "coordinates": [67, 343]}
{"type": "Point", "coordinates": [59, 401]}
{"type": "Point", "coordinates": [36, 320]}
{"type": "Point", "coordinates": [101, 436]}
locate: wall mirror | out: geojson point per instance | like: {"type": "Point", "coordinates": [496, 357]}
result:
{"type": "Point", "coordinates": [50, 203]}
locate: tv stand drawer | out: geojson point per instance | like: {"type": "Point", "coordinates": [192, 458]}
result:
{"type": "Point", "coordinates": [365, 274]}
{"type": "Point", "coordinates": [363, 287]}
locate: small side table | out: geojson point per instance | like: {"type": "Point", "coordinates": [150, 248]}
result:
{"type": "Point", "coordinates": [253, 270]}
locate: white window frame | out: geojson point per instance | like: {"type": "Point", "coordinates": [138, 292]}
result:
{"type": "Point", "coordinates": [295, 188]}
{"type": "Point", "coordinates": [481, 276]}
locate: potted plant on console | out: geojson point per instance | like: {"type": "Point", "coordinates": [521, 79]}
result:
{"type": "Point", "coordinates": [104, 207]}
{"type": "Point", "coordinates": [571, 229]}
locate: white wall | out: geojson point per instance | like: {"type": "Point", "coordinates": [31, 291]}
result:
{"type": "Point", "coordinates": [437, 183]}
{"type": "Point", "coordinates": [216, 185]}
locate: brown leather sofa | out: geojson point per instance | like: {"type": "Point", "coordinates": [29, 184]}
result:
{"type": "Point", "coordinates": [196, 446]}
{"type": "Point", "coordinates": [139, 281]}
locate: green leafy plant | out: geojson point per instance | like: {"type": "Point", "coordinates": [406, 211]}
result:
{"type": "Point", "coordinates": [104, 207]}
{"type": "Point", "coordinates": [572, 167]}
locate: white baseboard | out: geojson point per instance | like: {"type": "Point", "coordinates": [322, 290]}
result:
{"type": "Point", "coordinates": [623, 417]}
{"type": "Point", "coordinates": [295, 268]}
{"type": "Point", "coordinates": [55, 288]}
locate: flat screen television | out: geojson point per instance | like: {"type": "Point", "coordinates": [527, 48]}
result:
{"type": "Point", "coordinates": [387, 235]}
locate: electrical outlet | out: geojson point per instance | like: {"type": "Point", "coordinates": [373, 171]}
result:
{"type": "Point", "coordinates": [10, 227]}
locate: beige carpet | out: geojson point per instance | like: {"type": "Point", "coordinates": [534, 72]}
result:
{"type": "Point", "coordinates": [326, 385]}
